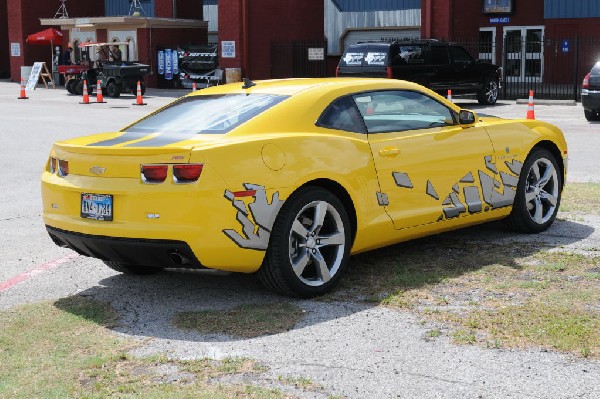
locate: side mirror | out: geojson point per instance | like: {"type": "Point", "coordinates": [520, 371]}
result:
{"type": "Point", "coordinates": [467, 118]}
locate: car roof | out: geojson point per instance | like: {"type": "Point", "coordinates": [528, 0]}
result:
{"type": "Point", "coordinates": [290, 87]}
{"type": "Point", "coordinates": [404, 42]}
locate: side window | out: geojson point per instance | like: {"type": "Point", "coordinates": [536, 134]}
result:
{"type": "Point", "coordinates": [460, 55]}
{"type": "Point", "coordinates": [412, 54]}
{"type": "Point", "coordinates": [399, 110]}
{"type": "Point", "coordinates": [342, 115]}
{"type": "Point", "coordinates": [439, 55]}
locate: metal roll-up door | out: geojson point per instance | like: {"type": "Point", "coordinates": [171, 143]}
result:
{"type": "Point", "coordinates": [373, 35]}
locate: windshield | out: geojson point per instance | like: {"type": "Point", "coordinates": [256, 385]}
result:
{"type": "Point", "coordinates": [214, 114]}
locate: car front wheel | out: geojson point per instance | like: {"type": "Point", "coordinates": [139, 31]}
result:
{"type": "Point", "coordinates": [489, 92]}
{"type": "Point", "coordinates": [538, 193]}
{"type": "Point", "coordinates": [309, 246]}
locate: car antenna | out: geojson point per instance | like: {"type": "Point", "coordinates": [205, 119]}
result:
{"type": "Point", "coordinates": [248, 83]}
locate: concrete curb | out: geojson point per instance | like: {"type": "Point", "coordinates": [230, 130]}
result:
{"type": "Point", "coordinates": [546, 102]}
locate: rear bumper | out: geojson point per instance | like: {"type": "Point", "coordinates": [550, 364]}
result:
{"type": "Point", "coordinates": [590, 99]}
{"type": "Point", "coordinates": [128, 251]}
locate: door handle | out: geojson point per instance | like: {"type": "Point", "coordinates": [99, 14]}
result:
{"type": "Point", "coordinates": [389, 151]}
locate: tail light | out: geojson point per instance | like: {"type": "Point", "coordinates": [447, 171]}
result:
{"type": "Point", "coordinates": [63, 167]}
{"type": "Point", "coordinates": [182, 173]}
{"type": "Point", "coordinates": [59, 166]}
{"type": "Point", "coordinates": [154, 173]}
{"type": "Point", "coordinates": [388, 73]}
{"type": "Point", "coordinates": [586, 82]}
{"type": "Point", "coordinates": [187, 173]}
{"type": "Point", "coordinates": [337, 72]}
{"type": "Point", "coordinates": [53, 162]}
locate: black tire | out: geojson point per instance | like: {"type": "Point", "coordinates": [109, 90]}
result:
{"type": "Point", "coordinates": [70, 86]}
{"type": "Point", "coordinates": [132, 269]}
{"type": "Point", "coordinates": [488, 94]}
{"type": "Point", "coordinates": [295, 237]}
{"type": "Point", "coordinates": [142, 89]}
{"type": "Point", "coordinates": [591, 116]}
{"type": "Point", "coordinates": [538, 193]}
{"type": "Point", "coordinates": [113, 90]}
{"type": "Point", "coordinates": [78, 88]}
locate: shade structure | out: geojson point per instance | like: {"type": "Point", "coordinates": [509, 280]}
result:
{"type": "Point", "coordinates": [48, 36]}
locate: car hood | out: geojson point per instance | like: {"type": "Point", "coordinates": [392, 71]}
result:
{"type": "Point", "coordinates": [488, 118]}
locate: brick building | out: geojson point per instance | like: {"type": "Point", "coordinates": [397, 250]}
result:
{"type": "Point", "coordinates": [152, 25]}
{"type": "Point", "coordinates": [533, 40]}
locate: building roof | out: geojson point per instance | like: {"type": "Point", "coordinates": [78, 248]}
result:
{"type": "Point", "coordinates": [127, 20]}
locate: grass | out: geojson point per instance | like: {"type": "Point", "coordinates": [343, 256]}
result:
{"type": "Point", "coordinates": [64, 350]}
{"type": "Point", "coordinates": [494, 294]}
{"type": "Point", "coordinates": [581, 198]}
{"type": "Point", "coordinates": [251, 320]}
{"type": "Point", "coordinates": [546, 299]}
{"type": "Point", "coordinates": [300, 382]}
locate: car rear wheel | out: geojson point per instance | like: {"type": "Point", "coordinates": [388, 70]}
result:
{"type": "Point", "coordinates": [489, 92]}
{"type": "Point", "coordinates": [309, 246]}
{"type": "Point", "coordinates": [113, 90]}
{"type": "Point", "coordinates": [538, 193]}
{"type": "Point", "coordinates": [131, 269]}
{"type": "Point", "coordinates": [71, 84]}
{"type": "Point", "coordinates": [591, 115]}
{"type": "Point", "coordinates": [78, 87]}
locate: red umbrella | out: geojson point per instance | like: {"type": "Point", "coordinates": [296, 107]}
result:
{"type": "Point", "coordinates": [49, 36]}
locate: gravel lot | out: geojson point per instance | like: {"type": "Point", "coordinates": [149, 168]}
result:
{"type": "Point", "coordinates": [351, 349]}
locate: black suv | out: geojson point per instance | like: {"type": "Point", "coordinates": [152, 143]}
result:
{"type": "Point", "coordinates": [590, 94]}
{"type": "Point", "coordinates": [440, 66]}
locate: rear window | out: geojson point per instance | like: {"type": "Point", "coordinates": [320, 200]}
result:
{"type": "Point", "coordinates": [365, 56]}
{"type": "Point", "coordinates": [216, 114]}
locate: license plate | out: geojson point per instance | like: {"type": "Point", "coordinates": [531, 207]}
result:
{"type": "Point", "coordinates": [97, 206]}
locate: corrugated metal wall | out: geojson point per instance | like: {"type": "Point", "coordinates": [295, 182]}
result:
{"type": "Point", "coordinates": [210, 12]}
{"type": "Point", "coordinates": [113, 8]}
{"type": "Point", "coordinates": [376, 5]}
{"type": "Point", "coordinates": [338, 22]}
{"type": "Point", "coordinates": [571, 9]}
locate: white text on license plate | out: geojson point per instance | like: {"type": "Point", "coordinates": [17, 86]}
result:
{"type": "Point", "coordinates": [97, 206]}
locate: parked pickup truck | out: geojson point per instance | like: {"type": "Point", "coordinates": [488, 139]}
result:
{"type": "Point", "coordinates": [438, 65]}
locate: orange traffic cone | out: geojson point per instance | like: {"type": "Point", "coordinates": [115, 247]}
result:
{"type": "Point", "coordinates": [450, 95]}
{"type": "Point", "coordinates": [23, 95]}
{"type": "Point", "coordinates": [530, 110]}
{"type": "Point", "coordinates": [99, 96]}
{"type": "Point", "coordinates": [86, 97]}
{"type": "Point", "coordinates": [138, 98]}
{"type": "Point", "coordinates": [194, 86]}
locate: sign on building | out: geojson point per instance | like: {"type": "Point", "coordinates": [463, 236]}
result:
{"type": "Point", "coordinates": [15, 49]}
{"type": "Point", "coordinates": [228, 49]}
{"type": "Point", "coordinates": [316, 54]}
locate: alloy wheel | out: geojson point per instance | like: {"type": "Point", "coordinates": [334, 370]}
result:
{"type": "Point", "coordinates": [317, 243]}
{"type": "Point", "coordinates": [541, 190]}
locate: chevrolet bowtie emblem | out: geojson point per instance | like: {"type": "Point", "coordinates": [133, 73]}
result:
{"type": "Point", "coordinates": [97, 170]}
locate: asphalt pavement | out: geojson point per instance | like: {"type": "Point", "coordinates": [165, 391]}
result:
{"type": "Point", "coordinates": [351, 349]}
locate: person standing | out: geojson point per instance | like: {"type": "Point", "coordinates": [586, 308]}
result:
{"type": "Point", "coordinates": [115, 53]}
{"type": "Point", "coordinates": [66, 56]}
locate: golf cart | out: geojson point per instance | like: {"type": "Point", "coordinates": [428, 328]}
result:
{"type": "Point", "coordinates": [115, 77]}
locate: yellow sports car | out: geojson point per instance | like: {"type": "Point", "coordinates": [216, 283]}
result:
{"type": "Point", "coordinates": [288, 178]}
